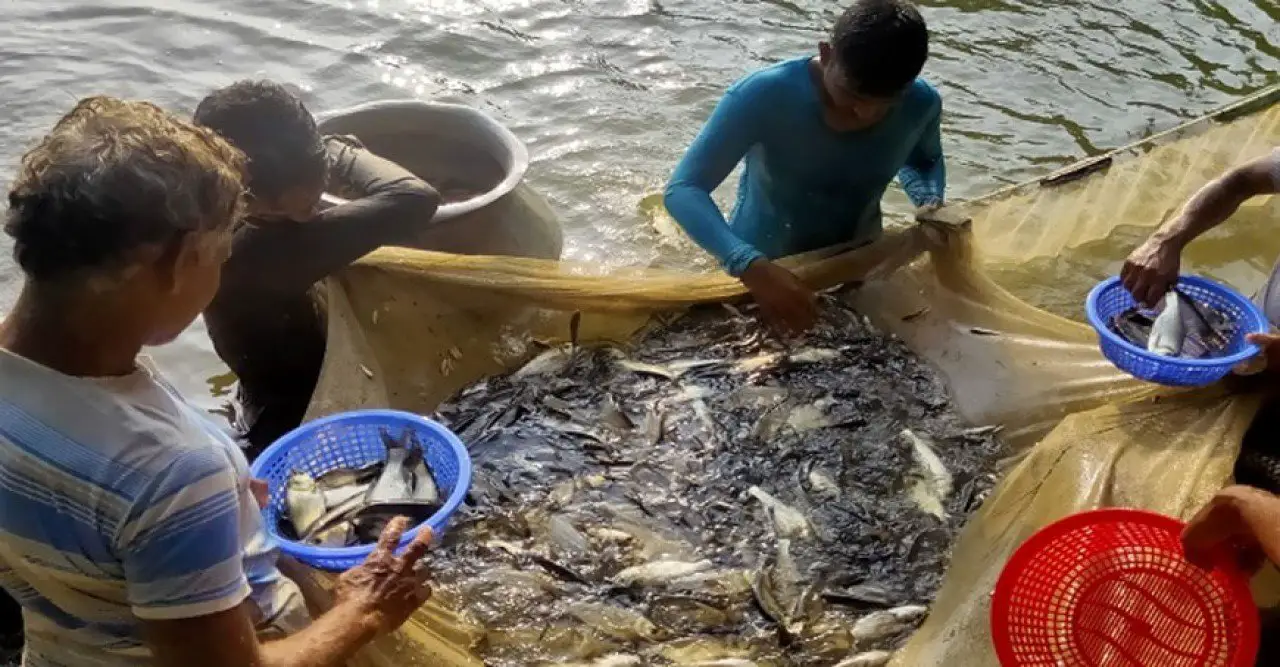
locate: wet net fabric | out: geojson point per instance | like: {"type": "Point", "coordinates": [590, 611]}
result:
{"type": "Point", "coordinates": [990, 304]}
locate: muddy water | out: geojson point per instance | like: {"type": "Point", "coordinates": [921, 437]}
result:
{"type": "Point", "coordinates": [607, 93]}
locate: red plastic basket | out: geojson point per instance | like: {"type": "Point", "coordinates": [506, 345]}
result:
{"type": "Point", "coordinates": [1112, 588]}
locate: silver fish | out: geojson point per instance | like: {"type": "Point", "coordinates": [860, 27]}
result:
{"type": "Point", "coordinates": [333, 517]}
{"type": "Point", "coordinates": [822, 483]}
{"type": "Point", "coordinates": [933, 482]}
{"type": "Point", "coordinates": [611, 660]}
{"type": "Point", "coordinates": [396, 481]}
{"type": "Point", "coordinates": [565, 537]}
{"type": "Point", "coordinates": [659, 572]}
{"type": "Point", "coordinates": [648, 369]}
{"type": "Point", "coordinates": [881, 625]}
{"type": "Point", "coordinates": [1167, 331]}
{"type": "Point", "coordinates": [339, 495]}
{"type": "Point", "coordinates": [550, 362]}
{"type": "Point", "coordinates": [868, 659]}
{"type": "Point", "coordinates": [369, 519]}
{"type": "Point", "coordinates": [304, 501]}
{"type": "Point", "coordinates": [616, 622]}
{"type": "Point", "coordinates": [788, 522]}
{"type": "Point", "coordinates": [344, 477]}
{"type": "Point", "coordinates": [424, 483]}
{"type": "Point", "coordinates": [340, 535]}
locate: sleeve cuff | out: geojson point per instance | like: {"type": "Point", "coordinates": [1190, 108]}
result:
{"type": "Point", "coordinates": [738, 261]}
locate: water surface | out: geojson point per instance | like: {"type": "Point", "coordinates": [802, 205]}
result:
{"type": "Point", "coordinates": [607, 93]}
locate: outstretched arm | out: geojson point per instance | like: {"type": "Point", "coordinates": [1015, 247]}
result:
{"type": "Point", "coordinates": [1153, 268]}
{"type": "Point", "coordinates": [291, 257]}
{"type": "Point", "coordinates": [730, 132]}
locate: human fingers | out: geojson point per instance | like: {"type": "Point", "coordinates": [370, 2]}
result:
{"type": "Point", "coordinates": [390, 537]}
{"type": "Point", "coordinates": [418, 547]}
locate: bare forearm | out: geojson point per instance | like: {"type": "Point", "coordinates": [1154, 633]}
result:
{"type": "Point", "coordinates": [1210, 207]}
{"type": "Point", "coordinates": [330, 641]}
{"type": "Point", "coordinates": [1221, 198]}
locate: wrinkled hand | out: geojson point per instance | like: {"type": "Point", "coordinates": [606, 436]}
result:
{"type": "Point", "coordinates": [385, 588]}
{"type": "Point", "coordinates": [787, 304]}
{"type": "Point", "coordinates": [1222, 529]}
{"type": "Point", "coordinates": [1151, 270]}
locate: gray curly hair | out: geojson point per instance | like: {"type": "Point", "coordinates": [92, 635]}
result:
{"type": "Point", "coordinates": [112, 178]}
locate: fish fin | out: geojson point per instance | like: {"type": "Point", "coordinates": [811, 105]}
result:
{"type": "Point", "coordinates": [575, 325]}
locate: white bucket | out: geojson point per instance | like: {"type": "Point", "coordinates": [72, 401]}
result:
{"type": "Point", "coordinates": [476, 163]}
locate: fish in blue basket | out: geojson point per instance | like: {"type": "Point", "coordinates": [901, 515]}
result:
{"type": "Point", "coordinates": [1183, 327]}
{"type": "Point", "coordinates": [1167, 330]}
{"type": "Point", "coordinates": [304, 500]}
{"type": "Point", "coordinates": [347, 506]}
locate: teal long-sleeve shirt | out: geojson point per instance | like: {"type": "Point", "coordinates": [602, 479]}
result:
{"type": "Point", "coordinates": [804, 185]}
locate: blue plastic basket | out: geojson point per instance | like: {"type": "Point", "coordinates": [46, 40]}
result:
{"type": "Point", "coordinates": [1111, 298]}
{"type": "Point", "coordinates": [354, 440]}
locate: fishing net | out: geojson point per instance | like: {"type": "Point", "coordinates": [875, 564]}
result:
{"type": "Point", "coordinates": [994, 304]}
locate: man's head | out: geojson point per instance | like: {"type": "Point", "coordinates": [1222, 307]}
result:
{"type": "Point", "coordinates": [123, 201]}
{"type": "Point", "coordinates": [287, 166]}
{"type": "Point", "coordinates": [877, 49]}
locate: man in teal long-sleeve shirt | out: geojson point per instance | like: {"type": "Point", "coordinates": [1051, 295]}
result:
{"type": "Point", "coordinates": [822, 138]}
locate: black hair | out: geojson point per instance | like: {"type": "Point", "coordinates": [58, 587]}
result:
{"type": "Point", "coordinates": [111, 178]}
{"type": "Point", "coordinates": [273, 128]}
{"type": "Point", "coordinates": [881, 46]}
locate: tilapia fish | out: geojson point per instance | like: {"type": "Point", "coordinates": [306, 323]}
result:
{"type": "Point", "coordinates": [712, 496]}
{"type": "Point", "coordinates": [348, 506]}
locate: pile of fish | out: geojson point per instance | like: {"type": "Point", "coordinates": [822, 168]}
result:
{"type": "Point", "coordinates": [344, 507]}
{"type": "Point", "coordinates": [711, 496]}
{"type": "Point", "coordinates": [1181, 327]}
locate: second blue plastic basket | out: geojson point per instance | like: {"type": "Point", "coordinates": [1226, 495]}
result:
{"type": "Point", "coordinates": [352, 440]}
{"type": "Point", "coordinates": [1110, 298]}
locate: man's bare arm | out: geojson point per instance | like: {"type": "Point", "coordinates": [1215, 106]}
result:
{"type": "Point", "coordinates": [371, 599]}
{"type": "Point", "coordinates": [228, 638]}
{"type": "Point", "coordinates": [1220, 198]}
{"type": "Point", "coordinates": [1153, 267]}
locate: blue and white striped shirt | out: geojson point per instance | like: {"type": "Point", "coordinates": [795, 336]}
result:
{"type": "Point", "coordinates": [120, 502]}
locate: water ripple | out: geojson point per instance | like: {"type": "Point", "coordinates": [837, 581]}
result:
{"type": "Point", "coordinates": [608, 93]}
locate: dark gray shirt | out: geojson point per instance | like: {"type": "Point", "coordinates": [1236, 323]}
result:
{"type": "Point", "coordinates": [266, 321]}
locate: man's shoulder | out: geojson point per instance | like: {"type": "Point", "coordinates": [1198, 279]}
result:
{"type": "Point", "coordinates": [118, 440]}
{"type": "Point", "coordinates": [922, 97]}
{"type": "Point", "coordinates": [778, 79]}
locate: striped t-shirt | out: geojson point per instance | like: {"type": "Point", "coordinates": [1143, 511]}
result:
{"type": "Point", "coordinates": [120, 502]}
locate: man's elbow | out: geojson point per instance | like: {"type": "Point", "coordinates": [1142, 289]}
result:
{"type": "Point", "coordinates": [677, 194]}
{"type": "Point", "coordinates": [416, 198]}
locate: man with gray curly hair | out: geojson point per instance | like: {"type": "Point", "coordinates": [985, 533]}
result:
{"type": "Point", "coordinates": [130, 531]}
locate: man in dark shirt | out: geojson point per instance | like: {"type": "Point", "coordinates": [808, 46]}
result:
{"type": "Point", "coordinates": [267, 321]}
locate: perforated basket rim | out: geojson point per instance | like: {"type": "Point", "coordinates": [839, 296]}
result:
{"type": "Point", "coordinates": [314, 554]}
{"type": "Point", "coordinates": [1238, 590]}
{"type": "Point", "coordinates": [1257, 325]}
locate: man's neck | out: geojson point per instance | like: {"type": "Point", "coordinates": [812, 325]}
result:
{"type": "Point", "coordinates": [73, 333]}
